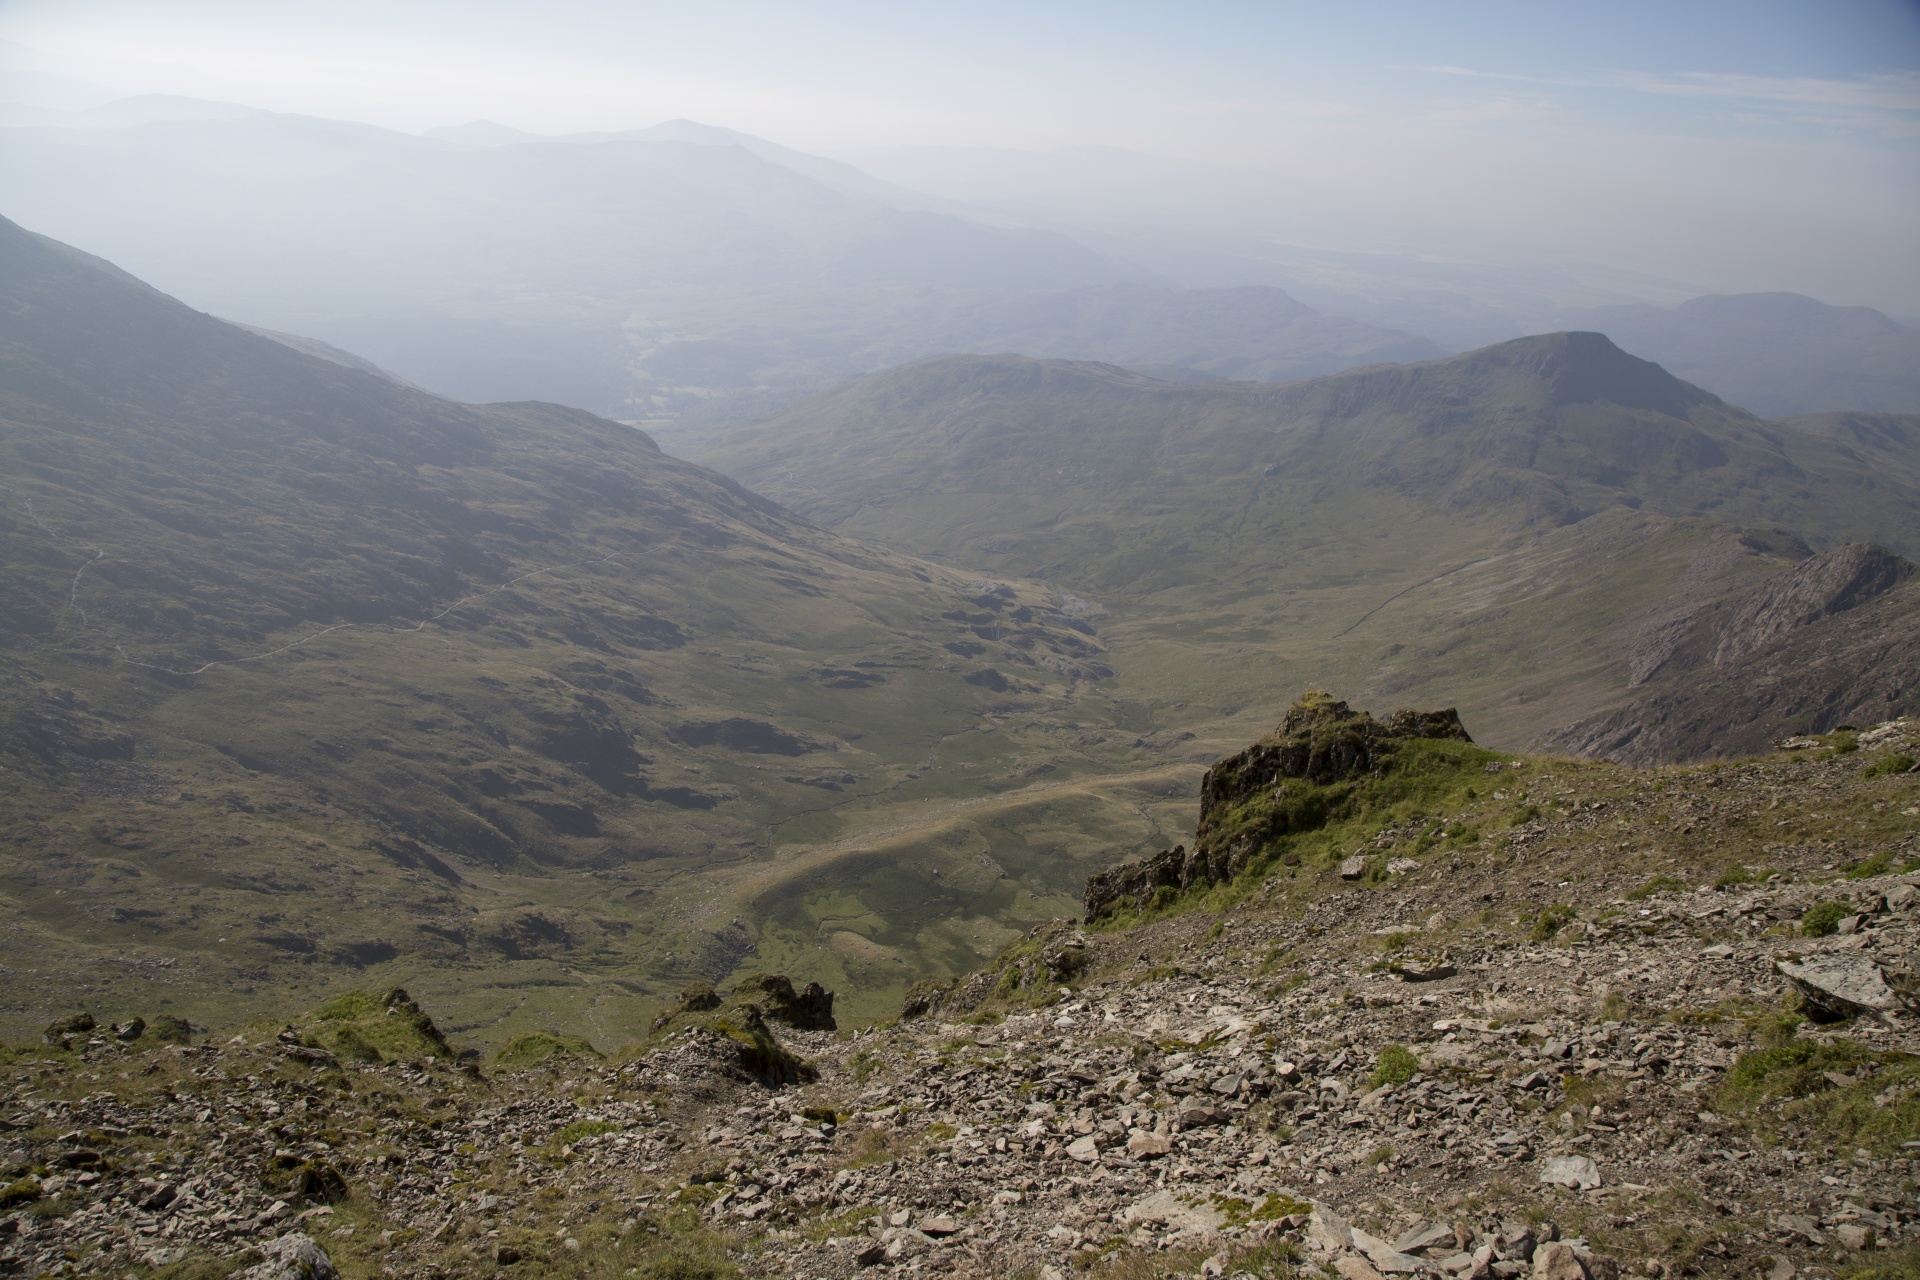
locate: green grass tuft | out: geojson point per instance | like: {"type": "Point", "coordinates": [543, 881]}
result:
{"type": "Point", "coordinates": [1396, 1064]}
{"type": "Point", "coordinates": [1822, 918]}
{"type": "Point", "coordinates": [1899, 762]}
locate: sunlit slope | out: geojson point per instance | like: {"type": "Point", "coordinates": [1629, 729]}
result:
{"type": "Point", "coordinates": [1486, 527]}
{"type": "Point", "coordinates": [306, 671]}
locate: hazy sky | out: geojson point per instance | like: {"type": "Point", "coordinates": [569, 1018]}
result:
{"type": "Point", "coordinates": [1741, 145]}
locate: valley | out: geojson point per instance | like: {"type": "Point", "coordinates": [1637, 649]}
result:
{"type": "Point", "coordinates": [315, 678]}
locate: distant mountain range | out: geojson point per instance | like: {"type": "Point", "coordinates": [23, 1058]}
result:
{"type": "Point", "coordinates": [1777, 354]}
{"type": "Point", "coordinates": [650, 275]}
{"type": "Point", "coordinates": [694, 277]}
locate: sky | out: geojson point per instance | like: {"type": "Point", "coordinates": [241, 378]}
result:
{"type": "Point", "coordinates": [1759, 144]}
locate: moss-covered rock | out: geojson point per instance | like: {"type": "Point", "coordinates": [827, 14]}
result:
{"type": "Point", "coordinates": [1294, 780]}
{"type": "Point", "coordinates": [362, 1026]}
{"type": "Point", "coordinates": [542, 1047]}
{"type": "Point", "coordinates": [810, 1008]}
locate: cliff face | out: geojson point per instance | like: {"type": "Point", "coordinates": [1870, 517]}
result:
{"type": "Point", "coordinates": [1321, 742]}
{"type": "Point", "coordinates": [1834, 640]}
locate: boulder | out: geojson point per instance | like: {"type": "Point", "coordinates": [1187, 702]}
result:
{"type": "Point", "coordinates": [1577, 1172]}
{"type": "Point", "coordinates": [1842, 984]}
{"type": "Point", "coordinates": [1557, 1261]}
{"type": "Point", "coordinates": [1385, 1258]}
{"type": "Point", "coordinates": [294, 1256]}
{"type": "Point", "coordinates": [1329, 1230]}
{"type": "Point", "coordinates": [1142, 1145]}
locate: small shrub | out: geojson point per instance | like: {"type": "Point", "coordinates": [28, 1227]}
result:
{"type": "Point", "coordinates": [582, 1129]}
{"type": "Point", "coordinates": [1822, 918]}
{"type": "Point", "coordinates": [1395, 1065]}
{"type": "Point", "coordinates": [1843, 743]}
{"type": "Point", "coordinates": [1792, 1070]}
{"type": "Point", "coordinates": [1899, 762]}
{"type": "Point", "coordinates": [1736, 874]}
{"type": "Point", "coordinates": [1878, 865]}
{"type": "Point", "coordinates": [1550, 921]}
{"type": "Point", "coordinates": [1659, 884]}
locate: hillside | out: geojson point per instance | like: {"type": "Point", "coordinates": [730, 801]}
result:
{"type": "Point", "coordinates": [313, 677]}
{"type": "Point", "coordinates": [1493, 526]}
{"type": "Point", "coordinates": [1826, 644]}
{"type": "Point", "coordinates": [651, 275]}
{"type": "Point", "coordinates": [1778, 354]}
{"type": "Point", "coordinates": [1440, 1011]}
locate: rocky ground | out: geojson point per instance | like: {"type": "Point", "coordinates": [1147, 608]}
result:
{"type": "Point", "coordinates": [1570, 1021]}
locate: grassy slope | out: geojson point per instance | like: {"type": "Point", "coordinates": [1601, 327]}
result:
{"type": "Point", "coordinates": [306, 671]}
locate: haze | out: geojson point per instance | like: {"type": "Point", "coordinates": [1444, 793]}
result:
{"type": "Point", "coordinates": [1441, 176]}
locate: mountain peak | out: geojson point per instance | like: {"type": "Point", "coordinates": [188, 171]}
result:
{"type": "Point", "coordinates": [1580, 367]}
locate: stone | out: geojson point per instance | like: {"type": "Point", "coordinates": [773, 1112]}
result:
{"type": "Point", "coordinates": [1329, 1230]}
{"type": "Point", "coordinates": [1802, 1226]}
{"type": "Point", "coordinates": [1352, 1268]}
{"type": "Point", "coordinates": [1168, 1209]}
{"type": "Point", "coordinates": [1385, 1258]}
{"type": "Point", "coordinates": [1782, 1269]}
{"type": "Point", "coordinates": [1226, 1086]}
{"type": "Point", "coordinates": [1353, 868]}
{"type": "Point", "coordinates": [1423, 1236]}
{"type": "Point", "coordinates": [78, 1024]}
{"type": "Point", "coordinates": [902, 1243]}
{"type": "Point", "coordinates": [294, 1256]}
{"type": "Point", "coordinates": [1577, 1172]}
{"type": "Point", "coordinates": [1853, 1235]}
{"type": "Point", "coordinates": [1085, 1150]}
{"type": "Point", "coordinates": [940, 1224]}
{"type": "Point", "coordinates": [1558, 1261]}
{"type": "Point", "coordinates": [1841, 985]}
{"type": "Point", "coordinates": [1400, 866]}
{"type": "Point", "coordinates": [1142, 1145]}
{"type": "Point", "coordinates": [1432, 973]}
{"type": "Point", "coordinates": [1719, 951]}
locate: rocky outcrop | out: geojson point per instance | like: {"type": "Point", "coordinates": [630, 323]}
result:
{"type": "Point", "coordinates": [1320, 741]}
{"type": "Point", "coordinates": [810, 1008]}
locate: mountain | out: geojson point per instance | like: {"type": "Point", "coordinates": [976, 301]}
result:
{"type": "Point", "coordinates": [1483, 523]}
{"type": "Point", "coordinates": [1778, 354]}
{"type": "Point", "coordinates": [680, 271]}
{"type": "Point", "coordinates": [1455, 1004]}
{"type": "Point", "coordinates": [308, 672]}
{"type": "Point", "coordinates": [1826, 644]}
